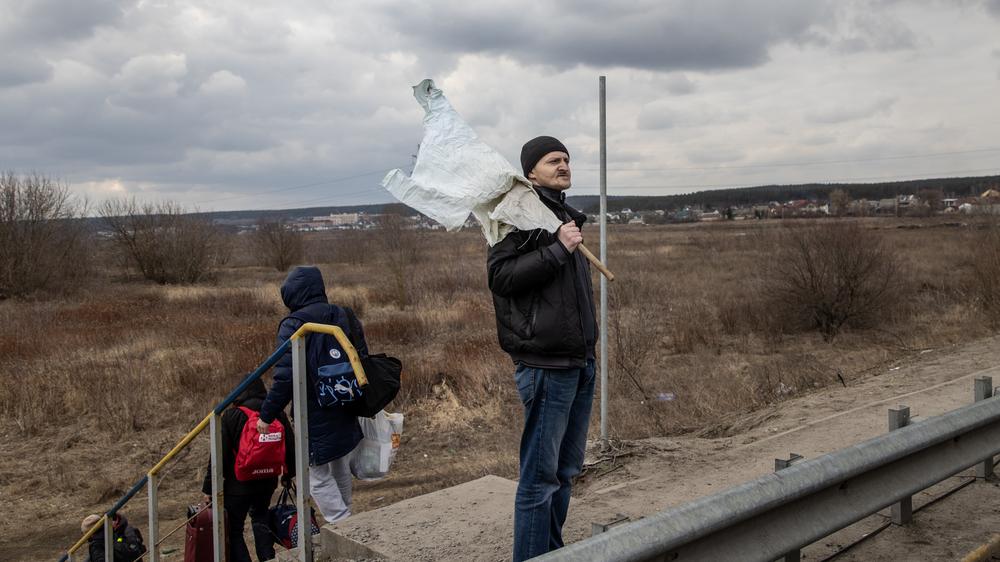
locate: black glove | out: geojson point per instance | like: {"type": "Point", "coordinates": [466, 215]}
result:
{"type": "Point", "coordinates": [286, 481]}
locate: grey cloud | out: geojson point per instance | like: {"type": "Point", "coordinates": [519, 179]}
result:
{"type": "Point", "coordinates": [20, 69]}
{"type": "Point", "coordinates": [714, 155]}
{"type": "Point", "coordinates": [819, 140]}
{"type": "Point", "coordinates": [868, 31]}
{"type": "Point", "coordinates": [198, 100]}
{"type": "Point", "coordinates": [679, 84]}
{"type": "Point", "coordinates": [660, 114]}
{"type": "Point", "coordinates": [655, 116]}
{"type": "Point", "coordinates": [672, 35]}
{"type": "Point", "coordinates": [45, 21]}
{"type": "Point", "coordinates": [993, 6]}
{"type": "Point", "coordinates": [842, 113]}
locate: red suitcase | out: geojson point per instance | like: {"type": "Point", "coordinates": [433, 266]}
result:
{"type": "Point", "coordinates": [198, 540]}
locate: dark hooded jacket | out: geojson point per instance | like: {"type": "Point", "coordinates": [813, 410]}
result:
{"type": "Point", "coordinates": [128, 542]}
{"type": "Point", "coordinates": [233, 421]}
{"type": "Point", "coordinates": [543, 294]}
{"type": "Point", "coordinates": [332, 431]}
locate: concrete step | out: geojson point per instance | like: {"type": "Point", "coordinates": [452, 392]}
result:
{"type": "Point", "coordinates": [471, 521]}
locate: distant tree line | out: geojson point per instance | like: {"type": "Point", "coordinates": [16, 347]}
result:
{"type": "Point", "coordinates": [745, 196]}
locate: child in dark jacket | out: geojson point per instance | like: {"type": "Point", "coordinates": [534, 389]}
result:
{"type": "Point", "coordinates": [128, 545]}
{"type": "Point", "coordinates": [253, 497]}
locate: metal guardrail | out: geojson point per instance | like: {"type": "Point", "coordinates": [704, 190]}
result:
{"type": "Point", "coordinates": [300, 429]}
{"type": "Point", "coordinates": [774, 515]}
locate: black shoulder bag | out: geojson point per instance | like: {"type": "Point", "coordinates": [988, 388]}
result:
{"type": "Point", "coordinates": [384, 375]}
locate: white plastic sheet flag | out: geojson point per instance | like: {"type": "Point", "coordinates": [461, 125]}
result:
{"type": "Point", "coordinates": [456, 174]}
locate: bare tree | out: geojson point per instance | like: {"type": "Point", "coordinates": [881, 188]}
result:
{"type": "Point", "coordinates": [832, 276]}
{"type": "Point", "coordinates": [277, 244]}
{"type": "Point", "coordinates": [840, 202]}
{"type": "Point", "coordinates": [163, 242]}
{"type": "Point", "coordinates": [42, 239]}
{"type": "Point", "coordinates": [985, 260]}
{"type": "Point", "coordinates": [930, 201]}
{"type": "Point", "coordinates": [399, 242]}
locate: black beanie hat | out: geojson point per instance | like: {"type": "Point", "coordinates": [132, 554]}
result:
{"type": "Point", "coordinates": [536, 148]}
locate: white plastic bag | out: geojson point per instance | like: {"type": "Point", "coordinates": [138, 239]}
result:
{"type": "Point", "coordinates": [456, 174]}
{"type": "Point", "coordinates": [374, 455]}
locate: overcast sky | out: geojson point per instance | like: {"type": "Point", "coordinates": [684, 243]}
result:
{"type": "Point", "coordinates": [252, 105]}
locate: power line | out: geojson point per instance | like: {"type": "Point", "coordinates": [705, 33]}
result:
{"type": "Point", "coordinates": [300, 203]}
{"type": "Point", "coordinates": [297, 204]}
{"type": "Point", "coordinates": [294, 187]}
{"type": "Point", "coordinates": [943, 175]}
{"type": "Point", "coordinates": [794, 164]}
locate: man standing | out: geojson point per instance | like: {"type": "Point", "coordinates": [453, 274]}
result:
{"type": "Point", "coordinates": [545, 320]}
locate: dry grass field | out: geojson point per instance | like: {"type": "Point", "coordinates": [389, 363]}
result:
{"type": "Point", "coordinates": [98, 382]}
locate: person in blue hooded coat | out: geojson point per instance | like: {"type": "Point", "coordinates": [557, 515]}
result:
{"type": "Point", "coordinates": [333, 432]}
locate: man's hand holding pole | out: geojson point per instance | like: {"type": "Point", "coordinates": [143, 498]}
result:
{"type": "Point", "coordinates": [571, 238]}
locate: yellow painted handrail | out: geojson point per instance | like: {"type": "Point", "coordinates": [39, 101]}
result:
{"type": "Point", "coordinates": [335, 331]}
{"type": "Point", "coordinates": [180, 446]}
{"type": "Point", "coordinates": [88, 534]}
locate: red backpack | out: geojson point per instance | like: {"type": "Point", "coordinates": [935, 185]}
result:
{"type": "Point", "coordinates": [260, 455]}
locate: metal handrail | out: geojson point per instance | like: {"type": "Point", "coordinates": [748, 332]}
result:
{"type": "Point", "coordinates": [295, 343]}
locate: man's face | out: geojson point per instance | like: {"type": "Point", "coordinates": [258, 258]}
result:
{"type": "Point", "coordinates": [552, 171]}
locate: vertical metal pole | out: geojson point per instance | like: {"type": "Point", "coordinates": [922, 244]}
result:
{"type": "Point", "coordinates": [154, 519]}
{"type": "Point", "coordinates": [300, 408]}
{"type": "Point", "coordinates": [983, 390]}
{"type": "Point", "coordinates": [604, 260]}
{"type": "Point", "coordinates": [902, 512]}
{"type": "Point", "coordinates": [109, 539]}
{"type": "Point", "coordinates": [781, 464]}
{"type": "Point", "coordinates": [218, 501]}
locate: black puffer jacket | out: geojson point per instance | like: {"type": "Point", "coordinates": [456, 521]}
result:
{"type": "Point", "coordinates": [543, 295]}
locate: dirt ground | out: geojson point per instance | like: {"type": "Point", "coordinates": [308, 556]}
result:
{"type": "Point", "coordinates": [675, 471]}
{"type": "Point", "coordinates": [93, 436]}
{"type": "Point", "coordinates": [654, 474]}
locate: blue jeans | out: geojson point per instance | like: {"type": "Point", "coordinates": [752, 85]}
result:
{"type": "Point", "coordinates": [556, 416]}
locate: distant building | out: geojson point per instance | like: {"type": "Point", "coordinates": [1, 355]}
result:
{"type": "Point", "coordinates": [342, 219]}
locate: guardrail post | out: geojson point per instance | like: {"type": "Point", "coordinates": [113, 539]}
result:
{"type": "Point", "coordinates": [154, 518]}
{"type": "Point", "coordinates": [598, 528]}
{"type": "Point", "coordinates": [983, 390]}
{"type": "Point", "coordinates": [902, 512]}
{"type": "Point", "coordinates": [781, 464]}
{"type": "Point", "coordinates": [109, 538]}
{"type": "Point", "coordinates": [218, 501]}
{"type": "Point", "coordinates": [300, 408]}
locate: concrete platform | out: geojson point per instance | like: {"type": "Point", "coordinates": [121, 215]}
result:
{"type": "Point", "coordinates": [471, 521]}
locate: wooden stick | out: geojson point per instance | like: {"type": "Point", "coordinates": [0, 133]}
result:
{"type": "Point", "coordinates": [597, 263]}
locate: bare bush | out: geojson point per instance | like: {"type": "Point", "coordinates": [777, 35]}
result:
{"type": "Point", "coordinates": [831, 276]}
{"type": "Point", "coordinates": [42, 242]}
{"type": "Point", "coordinates": [277, 244]}
{"type": "Point", "coordinates": [400, 245]}
{"type": "Point", "coordinates": [986, 271]}
{"type": "Point", "coordinates": [163, 242]}
{"type": "Point", "coordinates": [350, 247]}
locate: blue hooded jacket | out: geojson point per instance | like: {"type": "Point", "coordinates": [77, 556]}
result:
{"type": "Point", "coordinates": [333, 432]}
